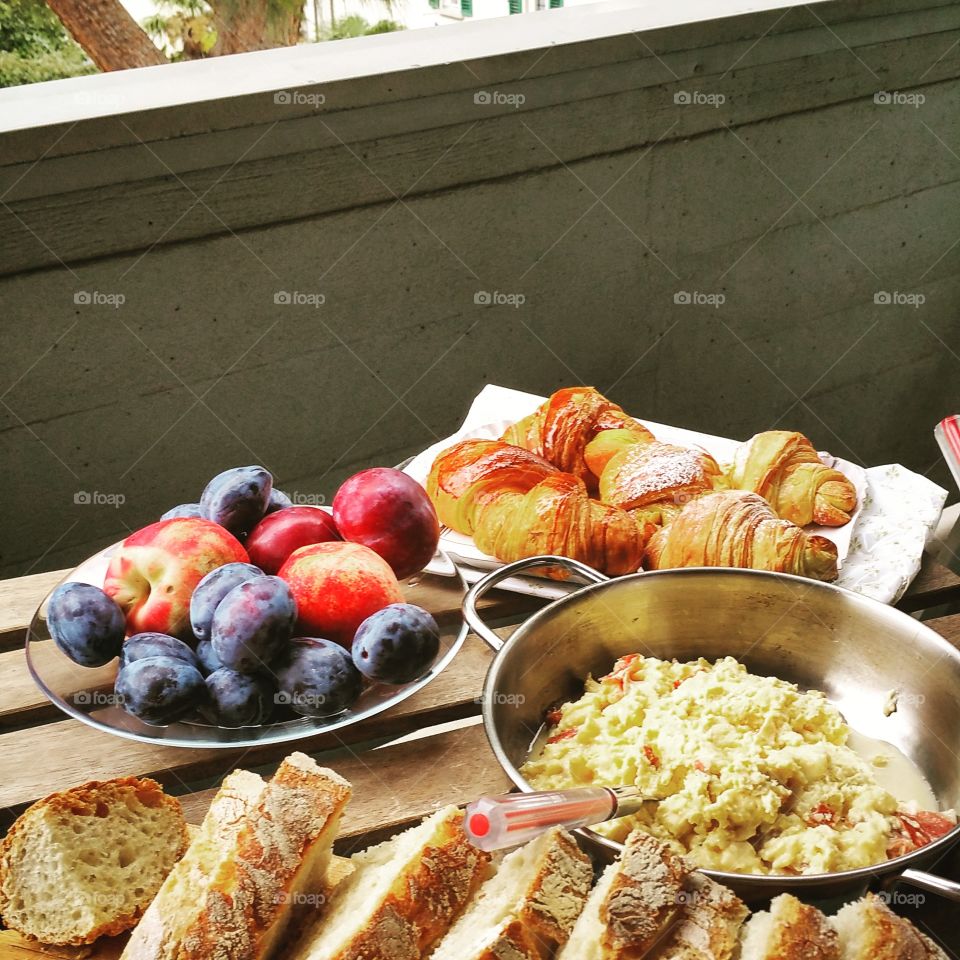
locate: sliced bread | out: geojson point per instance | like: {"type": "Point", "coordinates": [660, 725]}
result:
{"type": "Point", "coordinates": [870, 930]}
{"type": "Point", "coordinates": [257, 865]}
{"type": "Point", "coordinates": [710, 923]}
{"type": "Point", "coordinates": [402, 896]}
{"type": "Point", "coordinates": [790, 930]}
{"type": "Point", "coordinates": [528, 908]}
{"type": "Point", "coordinates": [86, 862]}
{"type": "Point", "coordinates": [634, 904]}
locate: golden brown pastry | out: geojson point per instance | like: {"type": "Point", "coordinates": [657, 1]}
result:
{"type": "Point", "coordinates": [733, 528]}
{"type": "Point", "coordinates": [655, 480]}
{"type": "Point", "coordinates": [514, 504]}
{"type": "Point", "coordinates": [783, 467]}
{"type": "Point", "coordinates": [561, 427]}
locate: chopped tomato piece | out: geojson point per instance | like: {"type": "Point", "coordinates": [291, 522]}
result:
{"type": "Point", "coordinates": [698, 765]}
{"type": "Point", "coordinates": [563, 735]}
{"type": "Point", "coordinates": [821, 813]}
{"type": "Point", "coordinates": [553, 716]}
{"type": "Point", "coordinates": [652, 757]}
{"type": "Point", "coordinates": [934, 825]}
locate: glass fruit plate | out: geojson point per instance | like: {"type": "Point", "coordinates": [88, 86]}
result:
{"type": "Point", "coordinates": [86, 693]}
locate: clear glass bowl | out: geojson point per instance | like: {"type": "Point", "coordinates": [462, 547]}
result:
{"type": "Point", "coordinates": [86, 693]}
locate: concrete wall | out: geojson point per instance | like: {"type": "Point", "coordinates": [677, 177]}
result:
{"type": "Point", "coordinates": [782, 188]}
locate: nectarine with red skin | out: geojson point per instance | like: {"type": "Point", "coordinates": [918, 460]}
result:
{"type": "Point", "coordinates": [153, 574]}
{"type": "Point", "coordinates": [337, 586]}
{"type": "Point", "coordinates": [278, 534]}
{"type": "Point", "coordinates": [390, 513]}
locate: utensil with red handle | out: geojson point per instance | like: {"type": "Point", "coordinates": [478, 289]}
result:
{"type": "Point", "coordinates": [511, 819]}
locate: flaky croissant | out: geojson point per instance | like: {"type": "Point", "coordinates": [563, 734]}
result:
{"type": "Point", "coordinates": [515, 504]}
{"type": "Point", "coordinates": [655, 480]}
{"type": "Point", "coordinates": [733, 528]}
{"type": "Point", "coordinates": [560, 429]}
{"type": "Point", "coordinates": [783, 467]}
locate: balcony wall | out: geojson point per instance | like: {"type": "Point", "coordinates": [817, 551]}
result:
{"type": "Point", "coordinates": [551, 160]}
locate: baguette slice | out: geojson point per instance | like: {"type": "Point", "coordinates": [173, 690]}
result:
{"type": "Point", "coordinates": [528, 908]}
{"type": "Point", "coordinates": [402, 896]}
{"type": "Point", "coordinates": [85, 863]}
{"type": "Point", "coordinates": [709, 928]}
{"type": "Point", "coordinates": [634, 904]}
{"type": "Point", "coordinates": [791, 930]}
{"type": "Point", "coordinates": [258, 862]}
{"type": "Point", "coordinates": [870, 930]}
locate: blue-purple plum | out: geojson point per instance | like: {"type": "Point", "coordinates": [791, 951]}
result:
{"type": "Point", "coordinates": [252, 623]}
{"type": "Point", "coordinates": [237, 699]}
{"type": "Point", "coordinates": [212, 589]}
{"type": "Point", "coordinates": [237, 498]}
{"type": "Point", "coordinates": [85, 624]}
{"type": "Point", "coordinates": [159, 690]}
{"type": "Point", "coordinates": [208, 659]}
{"type": "Point", "coordinates": [396, 644]}
{"type": "Point", "coordinates": [317, 678]}
{"type": "Point", "coordinates": [143, 645]}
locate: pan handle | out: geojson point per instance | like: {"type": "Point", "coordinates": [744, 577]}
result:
{"type": "Point", "coordinates": [474, 594]}
{"type": "Point", "coordinates": [931, 882]}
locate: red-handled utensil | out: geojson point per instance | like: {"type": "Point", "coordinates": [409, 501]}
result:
{"type": "Point", "coordinates": [513, 818]}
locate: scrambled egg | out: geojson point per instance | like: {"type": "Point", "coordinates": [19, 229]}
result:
{"type": "Point", "coordinates": [756, 773]}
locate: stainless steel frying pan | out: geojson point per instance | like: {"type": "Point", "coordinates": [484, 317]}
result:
{"type": "Point", "coordinates": [818, 636]}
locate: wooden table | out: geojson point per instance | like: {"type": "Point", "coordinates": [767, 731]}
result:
{"type": "Point", "coordinates": [426, 752]}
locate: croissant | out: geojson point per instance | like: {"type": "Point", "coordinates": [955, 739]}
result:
{"type": "Point", "coordinates": [654, 480]}
{"type": "Point", "coordinates": [733, 528]}
{"type": "Point", "coordinates": [560, 429]}
{"type": "Point", "coordinates": [783, 467]}
{"type": "Point", "coordinates": [515, 504]}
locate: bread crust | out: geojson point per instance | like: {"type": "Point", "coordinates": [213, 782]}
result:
{"type": "Point", "coordinates": [422, 903]}
{"type": "Point", "coordinates": [645, 898]}
{"type": "Point", "coordinates": [886, 936]}
{"type": "Point", "coordinates": [800, 932]}
{"type": "Point", "coordinates": [86, 800]}
{"type": "Point", "coordinates": [709, 927]}
{"type": "Point", "coordinates": [262, 835]}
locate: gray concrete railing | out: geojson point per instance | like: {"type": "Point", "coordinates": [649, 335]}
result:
{"type": "Point", "coordinates": [314, 258]}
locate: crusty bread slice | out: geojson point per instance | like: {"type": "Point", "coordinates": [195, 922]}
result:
{"type": "Point", "coordinates": [870, 930]}
{"type": "Point", "coordinates": [790, 930]}
{"type": "Point", "coordinates": [257, 864]}
{"type": "Point", "coordinates": [528, 908]}
{"type": "Point", "coordinates": [85, 863]}
{"type": "Point", "coordinates": [634, 904]}
{"type": "Point", "coordinates": [402, 896]}
{"type": "Point", "coordinates": [709, 927]}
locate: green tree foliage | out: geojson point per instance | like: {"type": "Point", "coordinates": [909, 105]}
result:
{"type": "Point", "coordinates": [34, 45]}
{"type": "Point", "coordinates": [357, 26]}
